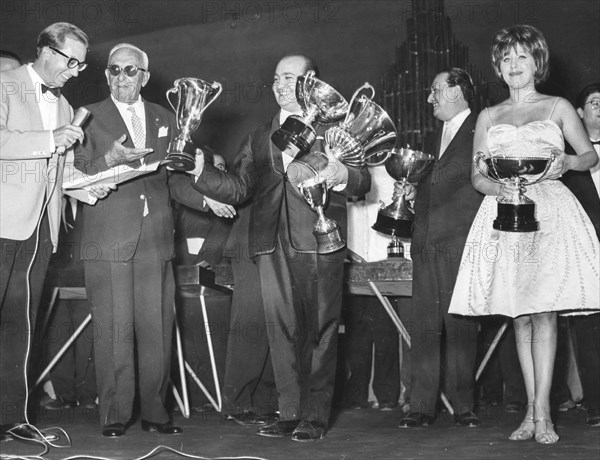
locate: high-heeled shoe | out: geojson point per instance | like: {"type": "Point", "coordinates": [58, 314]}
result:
{"type": "Point", "coordinates": [525, 431]}
{"type": "Point", "coordinates": [548, 435]}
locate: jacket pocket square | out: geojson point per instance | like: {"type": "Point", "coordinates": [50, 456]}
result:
{"type": "Point", "coordinates": [163, 131]}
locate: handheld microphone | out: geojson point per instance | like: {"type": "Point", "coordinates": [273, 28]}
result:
{"type": "Point", "coordinates": [80, 117]}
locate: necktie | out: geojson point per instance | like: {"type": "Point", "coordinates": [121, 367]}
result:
{"type": "Point", "coordinates": [139, 139]}
{"type": "Point", "coordinates": [446, 138]}
{"type": "Point", "coordinates": [54, 91]}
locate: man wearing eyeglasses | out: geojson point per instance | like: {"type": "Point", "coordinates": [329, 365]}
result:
{"type": "Point", "coordinates": [35, 132]}
{"type": "Point", "coordinates": [127, 248]}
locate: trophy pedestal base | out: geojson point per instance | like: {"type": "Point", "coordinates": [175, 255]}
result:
{"type": "Point", "coordinates": [296, 134]}
{"type": "Point", "coordinates": [328, 242]}
{"type": "Point", "coordinates": [516, 218]}
{"type": "Point", "coordinates": [181, 156]}
{"type": "Point", "coordinates": [390, 226]}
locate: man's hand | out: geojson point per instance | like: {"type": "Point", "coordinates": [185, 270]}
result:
{"type": "Point", "coordinates": [408, 190]}
{"type": "Point", "coordinates": [101, 191]}
{"type": "Point", "coordinates": [335, 173]}
{"type": "Point", "coordinates": [220, 209]}
{"type": "Point", "coordinates": [119, 155]}
{"type": "Point", "coordinates": [66, 136]}
{"type": "Point", "coordinates": [199, 162]}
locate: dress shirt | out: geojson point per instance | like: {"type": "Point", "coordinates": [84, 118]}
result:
{"type": "Point", "coordinates": [48, 104]}
{"type": "Point", "coordinates": [595, 171]}
{"type": "Point", "coordinates": [452, 126]}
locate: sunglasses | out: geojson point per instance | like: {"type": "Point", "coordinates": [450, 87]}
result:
{"type": "Point", "coordinates": [130, 70]}
{"type": "Point", "coordinates": [71, 61]}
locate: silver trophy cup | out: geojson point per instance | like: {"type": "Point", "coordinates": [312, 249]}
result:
{"type": "Point", "coordinates": [366, 130]}
{"type": "Point", "coordinates": [515, 213]}
{"type": "Point", "coordinates": [326, 231]}
{"type": "Point", "coordinates": [404, 165]}
{"type": "Point", "coordinates": [194, 97]}
{"type": "Point", "coordinates": [319, 102]}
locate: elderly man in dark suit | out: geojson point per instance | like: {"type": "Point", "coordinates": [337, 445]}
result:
{"type": "Point", "coordinates": [35, 132]}
{"type": "Point", "coordinates": [301, 290]}
{"type": "Point", "coordinates": [127, 248]}
{"type": "Point", "coordinates": [445, 206]}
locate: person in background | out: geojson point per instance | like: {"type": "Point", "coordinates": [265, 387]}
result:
{"type": "Point", "coordinates": [445, 206]}
{"type": "Point", "coordinates": [8, 61]}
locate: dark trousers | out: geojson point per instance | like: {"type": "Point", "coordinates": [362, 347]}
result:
{"type": "Point", "coordinates": [587, 331]}
{"type": "Point", "coordinates": [502, 379]}
{"type": "Point", "coordinates": [20, 297]}
{"type": "Point", "coordinates": [302, 295]}
{"type": "Point", "coordinates": [132, 303]}
{"type": "Point", "coordinates": [371, 341]}
{"type": "Point", "coordinates": [249, 381]}
{"type": "Point", "coordinates": [442, 344]}
{"type": "Point", "coordinates": [73, 377]}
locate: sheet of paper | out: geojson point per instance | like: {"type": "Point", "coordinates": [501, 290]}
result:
{"type": "Point", "coordinates": [116, 175]}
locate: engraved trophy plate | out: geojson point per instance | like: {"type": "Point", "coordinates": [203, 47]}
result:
{"type": "Point", "coordinates": [194, 97]}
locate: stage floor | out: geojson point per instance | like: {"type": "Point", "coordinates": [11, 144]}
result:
{"type": "Point", "coordinates": [354, 434]}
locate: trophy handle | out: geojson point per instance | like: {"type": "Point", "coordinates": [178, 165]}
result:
{"type": "Point", "coordinates": [168, 93]}
{"type": "Point", "coordinates": [219, 88]}
{"type": "Point", "coordinates": [365, 85]}
{"type": "Point", "coordinates": [477, 159]}
{"type": "Point", "coordinates": [553, 156]}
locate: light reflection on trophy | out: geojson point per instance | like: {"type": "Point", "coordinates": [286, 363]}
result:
{"type": "Point", "coordinates": [326, 231]}
{"type": "Point", "coordinates": [319, 102]}
{"type": "Point", "coordinates": [366, 130]}
{"type": "Point", "coordinates": [194, 97]}
{"type": "Point", "coordinates": [515, 213]}
{"type": "Point", "coordinates": [405, 166]}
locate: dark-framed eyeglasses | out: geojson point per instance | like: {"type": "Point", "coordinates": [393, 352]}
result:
{"type": "Point", "coordinates": [130, 70]}
{"type": "Point", "coordinates": [595, 103]}
{"type": "Point", "coordinates": [71, 62]}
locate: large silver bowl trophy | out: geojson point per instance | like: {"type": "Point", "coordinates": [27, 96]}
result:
{"type": "Point", "coordinates": [366, 130]}
{"type": "Point", "coordinates": [194, 97]}
{"type": "Point", "coordinates": [319, 102]}
{"type": "Point", "coordinates": [517, 212]}
{"type": "Point", "coordinates": [396, 219]}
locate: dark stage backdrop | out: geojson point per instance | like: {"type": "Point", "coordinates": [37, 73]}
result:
{"type": "Point", "coordinates": [239, 42]}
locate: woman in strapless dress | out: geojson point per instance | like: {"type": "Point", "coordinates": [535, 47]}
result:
{"type": "Point", "coordinates": [530, 276]}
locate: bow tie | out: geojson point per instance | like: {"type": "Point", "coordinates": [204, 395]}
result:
{"type": "Point", "coordinates": [595, 142]}
{"type": "Point", "coordinates": [54, 91]}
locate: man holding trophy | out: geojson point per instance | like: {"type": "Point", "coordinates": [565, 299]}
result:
{"type": "Point", "coordinates": [445, 207]}
{"type": "Point", "coordinates": [301, 288]}
{"type": "Point", "coordinates": [127, 248]}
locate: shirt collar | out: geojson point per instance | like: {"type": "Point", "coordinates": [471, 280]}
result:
{"type": "Point", "coordinates": [458, 119]}
{"type": "Point", "coordinates": [137, 105]}
{"type": "Point", "coordinates": [283, 114]}
{"type": "Point", "coordinates": [36, 79]}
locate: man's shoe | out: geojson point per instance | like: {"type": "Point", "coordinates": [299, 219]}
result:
{"type": "Point", "coordinates": [387, 406]}
{"type": "Point", "coordinates": [415, 419]}
{"type": "Point", "coordinates": [468, 419]}
{"type": "Point", "coordinates": [251, 418]}
{"type": "Point", "coordinates": [308, 431]}
{"type": "Point", "coordinates": [60, 404]}
{"type": "Point", "coordinates": [113, 430]}
{"type": "Point", "coordinates": [567, 405]}
{"type": "Point", "coordinates": [164, 428]}
{"type": "Point", "coordinates": [25, 432]}
{"type": "Point", "coordinates": [513, 407]}
{"type": "Point", "coordinates": [278, 429]}
{"type": "Point", "coordinates": [6, 437]}
{"type": "Point", "coordinates": [593, 418]}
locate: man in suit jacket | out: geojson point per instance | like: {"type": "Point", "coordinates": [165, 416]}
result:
{"type": "Point", "coordinates": [445, 206]}
{"type": "Point", "coordinates": [35, 131]}
{"type": "Point", "coordinates": [301, 290]}
{"type": "Point", "coordinates": [127, 248]}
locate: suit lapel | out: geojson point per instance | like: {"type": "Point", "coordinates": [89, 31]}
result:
{"type": "Point", "coordinates": [152, 122]}
{"type": "Point", "coordinates": [32, 105]}
{"type": "Point", "coordinates": [111, 117]}
{"type": "Point", "coordinates": [465, 129]}
{"type": "Point", "coordinates": [274, 152]}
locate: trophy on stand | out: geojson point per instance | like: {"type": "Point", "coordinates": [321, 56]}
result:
{"type": "Point", "coordinates": [326, 231]}
{"type": "Point", "coordinates": [319, 102]}
{"type": "Point", "coordinates": [396, 219]}
{"type": "Point", "coordinates": [195, 96]}
{"type": "Point", "coordinates": [516, 213]}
